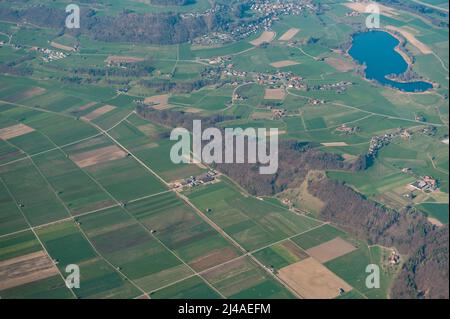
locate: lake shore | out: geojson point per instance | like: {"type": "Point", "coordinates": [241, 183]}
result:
{"type": "Point", "coordinates": [399, 48]}
{"type": "Point", "coordinates": [407, 59]}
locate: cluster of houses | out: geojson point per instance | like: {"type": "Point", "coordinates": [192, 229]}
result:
{"type": "Point", "coordinates": [238, 97]}
{"type": "Point", "coordinates": [239, 76]}
{"type": "Point", "coordinates": [316, 101]}
{"type": "Point", "coordinates": [394, 258]}
{"type": "Point", "coordinates": [280, 7]}
{"type": "Point", "coordinates": [220, 60]}
{"type": "Point", "coordinates": [278, 113]}
{"type": "Point", "coordinates": [430, 130]}
{"type": "Point", "coordinates": [347, 129]}
{"type": "Point", "coordinates": [353, 14]}
{"type": "Point", "coordinates": [420, 118]}
{"type": "Point", "coordinates": [49, 55]}
{"type": "Point", "coordinates": [244, 31]}
{"type": "Point", "coordinates": [378, 142]}
{"type": "Point", "coordinates": [213, 38]}
{"type": "Point", "coordinates": [339, 87]}
{"type": "Point", "coordinates": [270, 12]}
{"type": "Point", "coordinates": [193, 181]}
{"type": "Point", "coordinates": [224, 68]}
{"type": "Point", "coordinates": [213, 10]}
{"type": "Point", "coordinates": [287, 202]}
{"type": "Point", "coordinates": [424, 183]}
{"type": "Point", "coordinates": [281, 79]}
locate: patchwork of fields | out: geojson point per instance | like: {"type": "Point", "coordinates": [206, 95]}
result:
{"type": "Point", "coordinates": [85, 180]}
{"type": "Point", "coordinates": [97, 196]}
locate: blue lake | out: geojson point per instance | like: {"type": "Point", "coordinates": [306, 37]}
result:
{"type": "Point", "coordinates": [376, 49]}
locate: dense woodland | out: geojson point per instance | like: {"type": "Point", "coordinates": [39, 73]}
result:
{"type": "Point", "coordinates": [128, 26]}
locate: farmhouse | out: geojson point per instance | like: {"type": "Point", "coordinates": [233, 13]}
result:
{"type": "Point", "coordinates": [51, 55]}
{"type": "Point", "coordinates": [347, 129]}
{"type": "Point", "coordinates": [394, 258]}
{"type": "Point", "coordinates": [316, 101]}
{"type": "Point", "coordinates": [278, 114]}
{"type": "Point", "coordinates": [193, 181]}
{"type": "Point", "coordinates": [426, 184]}
{"type": "Point", "coordinates": [339, 87]}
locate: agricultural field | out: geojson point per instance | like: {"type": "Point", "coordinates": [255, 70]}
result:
{"type": "Point", "coordinates": [86, 177]}
{"type": "Point", "coordinates": [251, 222]}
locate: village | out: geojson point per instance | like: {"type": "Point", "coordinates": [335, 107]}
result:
{"type": "Point", "coordinates": [269, 12]}
{"type": "Point", "coordinates": [281, 79]}
{"type": "Point", "coordinates": [378, 142]}
{"type": "Point", "coordinates": [225, 69]}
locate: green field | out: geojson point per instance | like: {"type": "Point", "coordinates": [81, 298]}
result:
{"type": "Point", "coordinates": [192, 288]}
{"type": "Point", "coordinates": [68, 245]}
{"type": "Point", "coordinates": [356, 274]}
{"type": "Point", "coordinates": [436, 210]}
{"type": "Point", "coordinates": [318, 236]}
{"type": "Point", "coordinates": [251, 222]}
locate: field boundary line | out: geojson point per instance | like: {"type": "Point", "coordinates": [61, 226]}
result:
{"type": "Point", "coordinates": [49, 150]}
{"type": "Point", "coordinates": [36, 235]}
{"type": "Point", "coordinates": [199, 212]}
{"type": "Point", "coordinates": [247, 254]}
{"type": "Point", "coordinates": [369, 112]}
{"type": "Point", "coordinates": [82, 215]}
{"type": "Point", "coordinates": [353, 288]}
{"type": "Point", "coordinates": [82, 232]}
{"type": "Point", "coordinates": [132, 216]}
